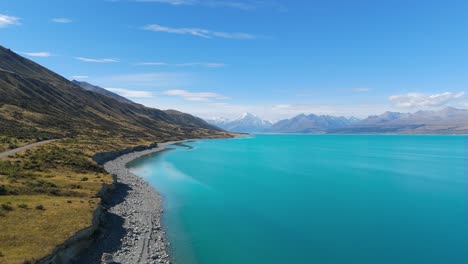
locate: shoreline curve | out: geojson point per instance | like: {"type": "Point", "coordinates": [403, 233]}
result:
{"type": "Point", "coordinates": [131, 231]}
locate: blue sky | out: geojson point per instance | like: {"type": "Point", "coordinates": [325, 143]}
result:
{"type": "Point", "coordinates": [274, 58]}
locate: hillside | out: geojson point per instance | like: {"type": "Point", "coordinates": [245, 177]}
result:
{"type": "Point", "coordinates": [48, 193]}
{"type": "Point", "coordinates": [36, 102]}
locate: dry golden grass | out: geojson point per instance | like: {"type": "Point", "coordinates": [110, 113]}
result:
{"type": "Point", "coordinates": [65, 181]}
{"type": "Point", "coordinates": [30, 233]}
{"type": "Point", "coordinates": [62, 177]}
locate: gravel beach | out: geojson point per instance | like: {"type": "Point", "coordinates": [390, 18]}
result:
{"type": "Point", "coordinates": [132, 231]}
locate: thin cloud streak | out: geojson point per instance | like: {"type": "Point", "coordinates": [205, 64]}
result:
{"type": "Point", "coordinates": [241, 5]}
{"type": "Point", "coordinates": [188, 64]}
{"type": "Point", "coordinates": [42, 54]}
{"type": "Point", "coordinates": [199, 32]}
{"type": "Point", "coordinates": [62, 20]}
{"type": "Point", "coordinates": [79, 77]}
{"type": "Point", "coordinates": [414, 100]}
{"type": "Point", "coordinates": [166, 80]}
{"type": "Point", "coordinates": [6, 21]}
{"type": "Point", "coordinates": [97, 60]}
{"type": "Point", "coordinates": [191, 96]}
{"type": "Point", "coordinates": [131, 93]}
{"type": "Point", "coordinates": [361, 89]}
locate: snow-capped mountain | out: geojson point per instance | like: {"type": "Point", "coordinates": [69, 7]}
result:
{"type": "Point", "coordinates": [218, 121]}
{"type": "Point", "coordinates": [312, 124]}
{"type": "Point", "coordinates": [247, 123]}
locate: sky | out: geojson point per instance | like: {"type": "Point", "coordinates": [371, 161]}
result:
{"type": "Point", "coordinates": [273, 58]}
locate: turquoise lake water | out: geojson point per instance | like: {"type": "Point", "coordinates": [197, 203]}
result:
{"type": "Point", "coordinates": [324, 199]}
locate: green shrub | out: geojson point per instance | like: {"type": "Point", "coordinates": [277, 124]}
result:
{"type": "Point", "coordinates": [41, 184]}
{"type": "Point", "coordinates": [3, 190]}
{"type": "Point", "coordinates": [55, 192]}
{"type": "Point", "coordinates": [9, 169]}
{"type": "Point", "coordinates": [75, 186]}
{"type": "Point", "coordinates": [7, 207]}
{"type": "Point", "coordinates": [23, 205]}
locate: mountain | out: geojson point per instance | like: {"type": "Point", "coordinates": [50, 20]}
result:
{"type": "Point", "coordinates": [177, 116]}
{"type": "Point", "coordinates": [97, 89]}
{"type": "Point", "coordinates": [311, 124]}
{"type": "Point", "coordinates": [218, 121]}
{"type": "Point", "coordinates": [247, 123]}
{"type": "Point", "coordinates": [446, 121]}
{"type": "Point", "coordinates": [38, 103]}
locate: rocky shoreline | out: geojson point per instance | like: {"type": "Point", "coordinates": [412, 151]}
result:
{"type": "Point", "coordinates": [132, 231]}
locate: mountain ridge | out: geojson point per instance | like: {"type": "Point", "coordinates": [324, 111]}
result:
{"type": "Point", "coordinates": [36, 102]}
{"type": "Point", "coordinates": [448, 120]}
{"type": "Point", "coordinates": [247, 123]}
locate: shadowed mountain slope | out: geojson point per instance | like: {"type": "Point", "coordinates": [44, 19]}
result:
{"type": "Point", "coordinates": [36, 102]}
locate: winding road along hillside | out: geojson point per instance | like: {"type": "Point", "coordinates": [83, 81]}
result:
{"type": "Point", "coordinates": [16, 150]}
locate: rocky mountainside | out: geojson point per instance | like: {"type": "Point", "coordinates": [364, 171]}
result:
{"type": "Point", "coordinates": [38, 103]}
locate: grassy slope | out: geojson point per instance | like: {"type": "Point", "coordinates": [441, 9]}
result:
{"type": "Point", "coordinates": [37, 104]}
{"type": "Point", "coordinates": [53, 175]}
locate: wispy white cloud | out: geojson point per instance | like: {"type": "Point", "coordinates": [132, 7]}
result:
{"type": "Point", "coordinates": [191, 96]}
{"type": "Point", "coordinates": [97, 60]}
{"type": "Point", "coordinates": [6, 21]}
{"type": "Point", "coordinates": [153, 63]}
{"type": "Point", "coordinates": [38, 54]}
{"type": "Point", "coordinates": [361, 89]}
{"type": "Point", "coordinates": [76, 77]}
{"type": "Point", "coordinates": [166, 80]}
{"type": "Point", "coordinates": [283, 106]}
{"type": "Point", "coordinates": [62, 20]}
{"type": "Point", "coordinates": [187, 64]}
{"type": "Point", "coordinates": [131, 93]}
{"type": "Point", "coordinates": [199, 32]}
{"type": "Point", "coordinates": [171, 2]}
{"type": "Point", "coordinates": [463, 105]}
{"type": "Point", "coordinates": [242, 5]}
{"type": "Point", "coordinates": [414, 100]}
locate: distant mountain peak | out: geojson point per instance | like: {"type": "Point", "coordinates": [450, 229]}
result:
{"type": "Point", "coordinates": [247, 123]}
{"type": "Point", "coordinates": [248, 115]}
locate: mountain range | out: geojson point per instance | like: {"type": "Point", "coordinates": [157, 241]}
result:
{"type": "Point", "coordinates": [38, 103]}
{"type": "Point", "coordinates": [446, 121]}
{"type": "Point", "coordinates": [247, 123]}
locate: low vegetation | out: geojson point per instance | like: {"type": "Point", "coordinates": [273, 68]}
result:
{"type": "Point", "coordinates": [48, 193]}
{"type": "Point", "coordinates": [7, 143]}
